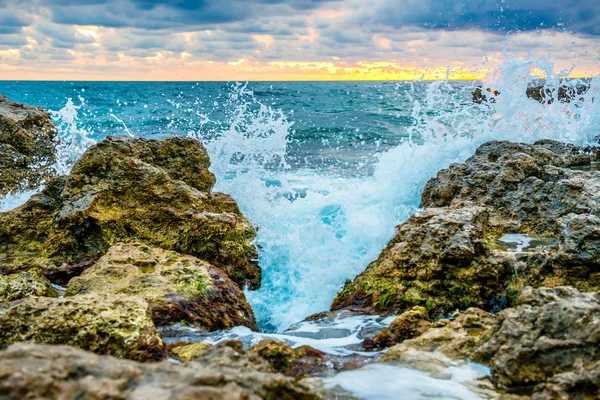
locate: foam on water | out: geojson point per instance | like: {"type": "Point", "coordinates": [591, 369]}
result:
{"type": "Point", "coordinates": [383, 382]}
{"type": "Point", "coordinates": [318, 229]}
{"type": "Point", "coordinates": [340, 336]}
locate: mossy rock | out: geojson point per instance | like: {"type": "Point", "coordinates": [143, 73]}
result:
{"type": "Point", "coordinates": [133, 190]}
{"type": "Point", "coordinates": [297, 362]}
{"type": "Point", "coordinates": [189, 351]}
{"type": "Point", "coordinates": [27, 146]}
{"type": "Point", "coordinates": [116, 325]}
{"type": "Point", "coordinates": [410, 324]}
{"type": "Point", "coordinates": [177, 287]}
{"type": "Point", "coordinates": [438, 260]}
{"type": "Point", "coordinates": [458, 338]}
{"type": "Point", "coordinates": [25, 284]}
{"type": "Point", "coordinates": [447, 256]}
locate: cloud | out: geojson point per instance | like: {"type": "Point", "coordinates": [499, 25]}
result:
{"type": "Point", "coordinates": [499, 16]}
{"type": "Point", "coordinates": [12, 21]}
{"type": "Point", "coordinates": [97, 35]}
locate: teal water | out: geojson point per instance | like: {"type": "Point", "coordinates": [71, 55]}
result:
{"type": "Point", "coordinates": [325, 171]}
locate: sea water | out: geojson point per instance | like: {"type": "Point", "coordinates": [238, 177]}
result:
{"type": "Point", "coordinates": [325, 171]}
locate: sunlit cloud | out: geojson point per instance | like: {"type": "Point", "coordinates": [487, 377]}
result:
{"type": "Point", "coordinates": [290, 39]}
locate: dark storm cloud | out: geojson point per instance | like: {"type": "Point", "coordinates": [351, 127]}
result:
{"type": "Point", "coordinates": [11, 21]}
{"type": "Point", "coordinates": [499, 16]}
{"type": "Point", "coordinates": [154, 14]}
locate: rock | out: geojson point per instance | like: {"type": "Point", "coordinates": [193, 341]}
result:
{"type": "Point", "coordinates": [457, 338]}
{"type": "Point", "coordinates": [60, 372]}
{"type": "Point", "coordinates": [529, 184]}
{"type": "Point", "coordinates": [410, 324]}
{"type": "Point", "coordinates": [125, 190]}
{"type": "Point", "coordinates": [550, 343]}
{"type": "Point", "coordinates": [27, 146]}
{"type": "Point", "coordinates": [439, 259]}
{"type": "Point", "coordinates": [189, 351]}
{"type": "Point", "coordinates": [298, 363]}
{"type": "Point", "coordinates": [115, 325]}
{"type": "Point", "coordinates": [25, 284]}
{"type": "Point", "coordinates": [541, 94]}
{"type": "Point", "coordinates": [448, 255]}
{"type": "Point", "coordinates": [177, 287]}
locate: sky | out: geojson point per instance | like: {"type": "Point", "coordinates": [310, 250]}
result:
{"type": "Point", "coordinates": [290, 39]}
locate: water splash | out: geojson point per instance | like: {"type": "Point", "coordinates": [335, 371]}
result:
{"type": "Point", "coordinates": [317, 229]}
{"type": "Point", "coordinates": [74, 140]}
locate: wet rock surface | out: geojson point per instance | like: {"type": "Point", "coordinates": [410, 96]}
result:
{"type": "Point", "coordinates": [27, 146]}
{"type": "Point", "coordinates": [115, 325]}
{"type": "Point", "coordinates": [296, 362]}
{"type": "Point", "coordinates": [25, 284]}
{"type": "Point", "coordinates": [122, 189]}
{"type": "Point", "coordinates": [458, 337]}
{"type": "Point", "coordinates": [37, 371]}
{"type": "Point", "coordinates": [409, 325]}
{"type": "Point", "coordinates": [447, 256]}
{"type": "Point", "coordinates": [549, 344]}
{"type": "Point", "coordinates": [179, 288]}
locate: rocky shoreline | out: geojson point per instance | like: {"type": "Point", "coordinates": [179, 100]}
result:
{"type": "Point", "coordinates": [499, 267]}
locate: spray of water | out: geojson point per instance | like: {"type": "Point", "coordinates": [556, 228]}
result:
{"type": "Point", "coordinates": [317, 230]}
{"type": "Point", "coordinates": [74, 140]}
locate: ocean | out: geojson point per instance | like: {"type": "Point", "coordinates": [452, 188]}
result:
{"type": "Point", "coordinates": [324, 170]}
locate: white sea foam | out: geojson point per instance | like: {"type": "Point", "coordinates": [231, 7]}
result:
{"type": "Point", "coordinates": [383, 382]}
{"type": "Point", "coordinates": [339, 336]}
{"type": "Point", "coordinates": [316, 230]}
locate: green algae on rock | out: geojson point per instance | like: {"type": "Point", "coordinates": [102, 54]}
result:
{"type": "Point", "coordinates": [27, 146]}
{"type": "Point", "coordinates": [25, 284]}
{"type": "Point", "coordinates": [457, 338]}
{"type": "Point", "coordinates": [296, 362]}
{"type": "Point", "coordinates": [177, 287]}
{"type": "Point", "coordinates": [124, 189]}
{"type": "Point", "coordinates": [115, 325]}
{"type": "Point", "coordinates": [438, 260]}
{"type": "Point", "coordinates": [447, 256]}
{"type": "Point", "coordinates": [410, 324]}
{"type": "Point", "coordinates": [189, 351]}
{"type": "Point", "coordinates": [66, 373]}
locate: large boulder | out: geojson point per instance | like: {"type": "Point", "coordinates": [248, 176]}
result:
{"type": "Point", "coordinates": [550, 343]}
{"type": "Point", "coordinates": [439, 259]}
{"type": "Point", "coordinates": [115, 325]}
{"type": "Point", "coordinates": [25, 284]}
{"type": "Point", "coordinates": [450, 255]}
{"type": "Point", "coordinates": [177, 287]}
{"type": "Point", "coordinates": [58, 372]}
{"type": "Point", "coordinates": [124, 190]}
{"type": "Point", "coordinates": [27, 146]}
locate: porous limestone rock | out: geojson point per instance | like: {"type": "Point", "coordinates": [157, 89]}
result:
{"type": "Point", "coordinates": [25, 284]}
{"type": "Point", "coordinates": [410, 324]}
{"type": "Point", "coordinates": [448, 255]}
{"type": "Point", "coordinates": [439, 260]}
{"type": "Point", "coordinates": [457, 338]}
{"type": "Point", "coordinates": [59, 372]}
{"type": "Point", "coordinates": [548, 345]}
{"type": "Point", "coordinates": [27, 146]}
{"type": "Point", "coordinates": [179, 288]}
{"type": "Point", "coordinates": [297, 362]}
{"type": "Point", "coordinates": [115, 325]}
{"type": "Point", "coordinates": [125, 190]}
{"type": "Point", "coordinates": [189, 351]}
